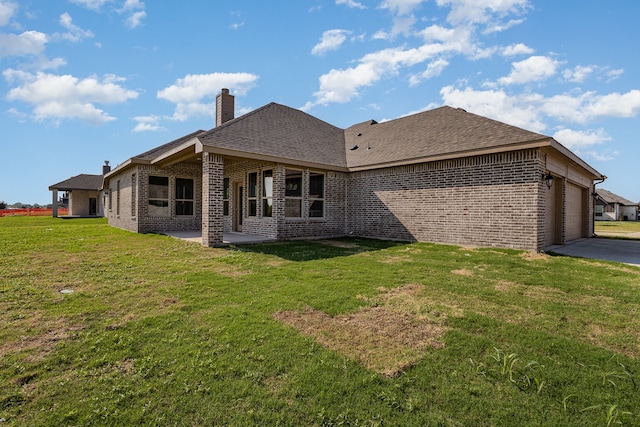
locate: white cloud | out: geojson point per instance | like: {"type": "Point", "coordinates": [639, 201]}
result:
{"type": "Point", "coordinates": [483, 11]}
{"type": "Point", "coordinates": [517, 110]}
{"type": "Point", "coordinates": [90, 4]}
{"type": "Point", "coordinates": [25, 44]}
{"type": "Point", "coordinates": [343, 85]}
{"type": "Point", "coordinates": [134, 9]}
{"type": "Point", "coordinates": [331, 40]}
{"type": "Point", "coordinates": [614, 74]}
{"type": "Point", "coordinates": [532, 69]}
{"type": "Point", "coordinates": [75, 33]}
{"type": "Point", "coordinates": [401, 7]}
{"type": "Point", "coordinates": [351, 4]}
{"type": "Point", "coordinates": [517, 49]}
{"type": "Point", "coordinates": [434, 69]}
{"type": "Point", "coordinates": [575, 139]}
{"type": "Point", "coordinates": [59, 97]}
{"type": "Point", "coordinates": [190, 92]}
{"type": "Point", "coordinates": [578, 74]}
{"type": "Point", "coordinates": [132, 5]}
{"type": "Point", "coordinates": [590, 106]}
{"type": "Point", "coordinates": [135, 19]}
{"type": "Point", "coordinates": [7, 9]}
{"type": "Point", "coordinates": [148, 124]}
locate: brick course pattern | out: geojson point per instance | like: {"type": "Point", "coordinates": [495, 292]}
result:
{"type": "Point", "coordinates": [489, 200]}
{"type": "Point", "coordinates": [212, 192]}
{"type": "Point", "coordinates": [134, 210]}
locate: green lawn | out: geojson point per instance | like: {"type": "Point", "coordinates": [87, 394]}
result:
{"type": "Point", "coordinates": [348, 332]}
{"type": "Point", "coordinates": [618, 227]}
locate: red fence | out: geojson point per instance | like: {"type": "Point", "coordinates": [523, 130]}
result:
{"type": "Point", "coordinates": [32, 212]}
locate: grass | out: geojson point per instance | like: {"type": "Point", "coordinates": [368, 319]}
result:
{"type": "Point", "coordinates": [618, 228]}
{"type": "Point", "coordinates": [323, 333]}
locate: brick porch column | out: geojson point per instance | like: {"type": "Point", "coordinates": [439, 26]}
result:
{"type": "Point", "coordinates": [212, 193]}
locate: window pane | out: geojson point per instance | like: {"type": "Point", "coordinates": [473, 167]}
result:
{"type": "Point", "coordinates": [158, 208]}
{"type": "Point", "coordinates": [253, 184]}
{"type": "Point", "coordinates": [184, 188]}
{"type": "Point", "coordinates": [158, 187]}
{"type": "Point", "coordinates": [225, 208]}
{"type": "Point", "coordinates": [227, 191]}
{"type": "Point", "coordinates": [293, 183]}
{"type": "Point", "coordinates": [293, 208]}
{"type": "Point", "coordinates": [267, 207]}
{"type": "Point", "coordinates": [316, 209]}
{"type": "Point", "coordinates": [253, 207]}
{"type": "Point", "coordinates": [267, 183]}
{"type": "Point", "coordinates": [184, 207]}
{"type": "Point", "coordinates": [316, 185]}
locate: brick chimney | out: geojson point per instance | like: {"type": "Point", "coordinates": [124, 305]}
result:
{"type": "Point", "coordinates": [106, 168]}
{"type": "Point", "coordinates": [224, 107]}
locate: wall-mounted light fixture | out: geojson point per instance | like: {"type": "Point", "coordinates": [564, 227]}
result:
{"type": "Point", "coordinates": [548, 179]}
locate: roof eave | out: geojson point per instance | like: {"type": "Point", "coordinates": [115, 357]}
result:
{"type": "Point", "coordinates": [569, 154]}
{"type": "Point", "coordinates": [182, 152]}
{"type": "Point", "coordinates": [456, 155]}
{"type": "Point", "coordinates": [274, 159]}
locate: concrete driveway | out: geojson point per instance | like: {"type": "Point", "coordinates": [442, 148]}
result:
{"type": "Point", "coordinates": [626, 251]}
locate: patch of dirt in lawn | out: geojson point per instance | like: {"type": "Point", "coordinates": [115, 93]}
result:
{"type": "Point", "coordinates": [396, 259]}
{"type": "Point", "coordinates": [384, 338]}
{"type": "Point", "coordinates": [42, 344]}
{"type": "Point", "coordinates": [534, 256]}
{"type": "Point", "coordinates": [463, 272]}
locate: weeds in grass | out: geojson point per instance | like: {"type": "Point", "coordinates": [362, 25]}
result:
{"type": "Point", "coordinates": [613, 413]}
{"type": "Point", "coordinates": [528, 377]}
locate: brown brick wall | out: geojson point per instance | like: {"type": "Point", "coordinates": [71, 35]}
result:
{"type": "Point", "coordinates": [135, 217]}
{"type": "Point", "coordinates": [489, 200]}
{"type": "Point", "coordinates": [278, 226]}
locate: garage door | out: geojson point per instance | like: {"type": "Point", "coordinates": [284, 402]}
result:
{"type": "Point", "coordinates": [576, 211]}
{"type": "Point", "coordinates": [552, 215]}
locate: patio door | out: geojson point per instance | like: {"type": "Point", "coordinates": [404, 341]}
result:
{"type": "Point", "coordinates": [238, 207]}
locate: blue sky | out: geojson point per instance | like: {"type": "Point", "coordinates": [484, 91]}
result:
{"type": "Point", "coordinates": [85, 81]}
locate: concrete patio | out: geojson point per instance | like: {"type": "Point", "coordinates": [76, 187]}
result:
{"type": "Point", "coordinates": [227, 238]}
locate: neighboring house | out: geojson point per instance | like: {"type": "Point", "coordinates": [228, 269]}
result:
{"type": "Point", "coordinates": [611, 207]}
{"type": "Point", "coordinates": [443, 175]}
{"type": "Point", "coordinates": [83, 194]}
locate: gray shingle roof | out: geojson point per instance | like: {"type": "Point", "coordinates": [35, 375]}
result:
{"type": "Point", "coordinates": [610, 198]}
{"type": "Point", "coordinates": [439, 132]}
{"type": "Point", "coordinates": [79, 182]}
{"type": "Point", "coordinates": [280, 131]}
{"type": "Point", "coordinates": [157, 151]}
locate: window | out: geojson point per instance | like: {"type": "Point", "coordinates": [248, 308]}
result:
{"type": "Point", "coordinates": [316, 195]}
{"type": "Point", "coordinates": [110, 192]}
{"type": "Point", "coordinates": [293, 193]}
{"type": "Point", "coordinates": [252, 194]}
{"type": "Point", "coordinates": [184, 196]}
{"type": "Point", "coordinates": [599, 209]}
{"type": "Point", "coordinates": [133, 194]}
{"type": "Point", "coordinates": [158, 196]}
{"type": "Point", "coordinates": [226, 193]}
{"type": "Point", "coordinates": [267, 193]}
{"type": "Point", "coordinates": [118, 198]}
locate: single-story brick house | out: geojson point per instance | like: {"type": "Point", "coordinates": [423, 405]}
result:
{"type": "Point", "coordinates": [82, 194]}
{"type": "Point", "coordinates": [611, 207]}
{"type": "Point", "coordinates": [443, 175]}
